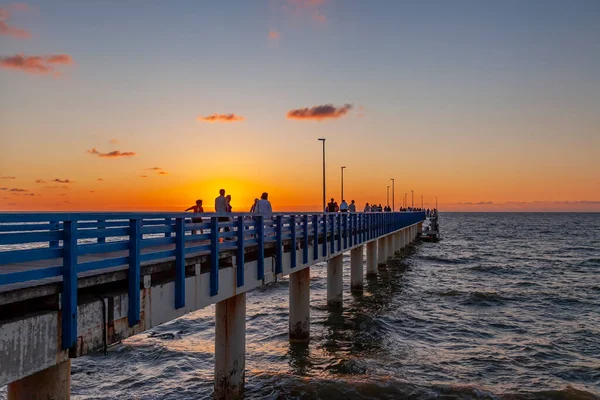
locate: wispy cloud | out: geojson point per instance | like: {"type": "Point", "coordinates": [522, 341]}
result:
{"type": "Point", "coordinates": [163, 173]}
{"type": "Point", "coordinates": [274, 35]}
{"type": "Point", "coordinates": [63, 180]}
{"type": "Point", "coordinates": [5, 16]}
{"type": "Point", "coordinates": [99, 179]}
{"type": "Point", "coordinates": [56, 187]}
{"type": "Point", "coordinates": [305, 8]}
{"type": "Point", "coordinates": [158, 170]}
{"type": "Point", "coordinates": [40, 181]}
{"type": "Point", "coordinates": [111, 154]}
{"type": "Point", "coordinates": [220, 118]}
{"type": "Point", "coordinates": [319, 113]}
{"type": "Point", "coordinates": [113, 141]}
{"type": "Point", "coordinates": [155, 169]}
{"type": "Point", "coordinates": [8, 177]}
{"type": "Point", "coordinates": [36, 64]}
{"type": "Point", "coordinates": [18, 190]}
{"type": "Point", "coordinates": [143, 176]}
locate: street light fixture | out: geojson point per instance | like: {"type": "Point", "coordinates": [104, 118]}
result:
{"type": "Point", "coordinates": [413, 198]}
{"type": "Point", "coordinates": [393, 191]}
{"type": "Point", "coordinates": [324, 202]}
{"type": "Point", "coordinates": [405, 202]}
{"type": "Point", "coordinates": [343, 182]}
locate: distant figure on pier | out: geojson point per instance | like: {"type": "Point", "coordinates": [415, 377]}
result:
{"type": "Point", "coordinates": [197, 209]}
{"type": "Point", "coordinates": [332, 206]}
{"type": "Point", "coordinates": [379, 208]}
{"type": "Point", "coordinates": [222, 207]}
{"type": "Point", "coordinates": [253, 208]}
{"type": "Point", "coordinates": [352, 207]}
{"type": "Point", "coordinates": [343, 206]}
{"type": "Point", "coordinates": [367, 208]}
{"type": "Point", "coordinates": [229, 208]}
{"type": "Point", "coordinates": [263, 206]}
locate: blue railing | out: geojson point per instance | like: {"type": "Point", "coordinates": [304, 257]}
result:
{"type": "Point", "coordinates": [61, 242]}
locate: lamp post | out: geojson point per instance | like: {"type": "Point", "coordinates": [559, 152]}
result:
{"type": "Point", "coordinates": [324, 202]}
{"type": "Point", "coordinates": [393, 191]}
{"type": "Point", "coordinates": [413, 198]}
{"type": "Point", "coordinates": [436, 202]}
{"type": "Point", "coordinates": [343, 183]}
{"type": "Point", "coordinates": [421, 202]}
{"type": "Point", "coordinates": [388, 195]}
{"type": "Point", "coordinates": [405, 200]}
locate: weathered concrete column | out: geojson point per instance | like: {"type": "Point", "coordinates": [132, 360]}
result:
{"type": "Point", "coordinates": [230, 347]}
{"type": "Point", "coordinates": [356, 269]}
{"type": "Point", "coordinates": [372, 258]}
{"type": "Point", "coordinates": [420, 228]}
{"type": "Point", "coordinates": [390, 246]}
{"type": "Point", "coordinates": [300, 305]}
{"type": "Point", "coordinates": [382, 251]}
{"type": "Point", "coordinates": [335, 281]}
{"type": "Point", "coordinates": [50, 383]}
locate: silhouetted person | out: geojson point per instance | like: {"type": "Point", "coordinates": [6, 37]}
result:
{"type": "Point", "coordinates": [344, 206]}
{"type": "Point", "coordinates": [197, 209]}
{"type": "Point", "coordinates": [352, 207]}
{"type": "Point", "coordinates": [367, 208]}
{"type": "Point", "coordinates": [222, 207]}
{"type": "Point", "coordinates": [331, 206]}
{"type": "Point", "coordinates": [263, 206]}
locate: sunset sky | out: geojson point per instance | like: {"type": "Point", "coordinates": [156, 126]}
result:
{"type": "Point", "coordinates": [149, 105]}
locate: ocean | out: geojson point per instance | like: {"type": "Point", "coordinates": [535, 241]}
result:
{"type": "Point", "coordinates": [506, 305]}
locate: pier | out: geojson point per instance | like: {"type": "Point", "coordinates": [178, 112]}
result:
{"type": "Point", "coordinates": [72, 284]}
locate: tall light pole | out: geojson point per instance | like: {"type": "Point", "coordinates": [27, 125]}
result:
{"type": "Point", "coordinates": [405, 203]}
{"type": "Point", "coordinates": [343, 183]}
{"type": "Point", "coordinates": [324, 202]}
{"type": "Point", "coordinates": [436, 202]}
{"type": "Point", "coordinates": [421, 202]}
{"type": "Point", "coordinates": [393, 191]}
{"type": "Point", "coordinates": [413, 198]}
{"type": "Point", "coordinates": [388, 195]}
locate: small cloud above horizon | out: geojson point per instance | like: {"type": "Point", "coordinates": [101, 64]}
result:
{"type": "Point", "coordinates": [5, 16]}
{"type": "Point", "coordinates": [319, 113]}
{"type": "Point", "coordinates": [8, 177]}
{"type": "Point", "coordinates": [62, 180]}
{"type": "Point", "coordinates": [220, 118]}
{"type": "Point", "coordinates": [274, 35]}
{"type": "Point", "coordinates": [113, 141]}
{"type": "Point", "coordinates": [36, 64]}
{"type": "Point", "coordinates": [40, 181]}
{"type": "Point", "coordinates": [111, 154]}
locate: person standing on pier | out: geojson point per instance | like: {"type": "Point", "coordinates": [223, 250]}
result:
{"type": "Point", "coordinates": [367, 208]}
{"type": "Point", "coordinates": [352, 207]}
{"type": "Point", "coordinates": [196, 209]}
{"type": "Point", "coordinates": [222, 207]}
{"type": "Point", "coordinates": [263, 206]}
{"type": "Point", "coordinates": [331, 206]}
{"type": "Point", "coordinates": [343, 206]}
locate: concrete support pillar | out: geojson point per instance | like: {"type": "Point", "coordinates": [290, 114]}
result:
{"type": "Point", "coordinates": [335, 281]}
{"type": "Point", "coordinates": [420, 228]}
{"type": "Point", "coordinates": [398, 242]}
{"type": "Point", "coordinates": [356, 269]}
{"type": "Point", "coordinates": [372, 258]}
{"type": "Point", "coordinates": [403, 238]}
{"type": "Point", "coordinates": [230, 347]}
{"type": "Point", "coordinates": [50, 383]}
{"type": "Point", "coordinates": [390, 245]}
{"type": "Point", "coordinates": [382, 252]}
{"type": "Point", "coordinates": [300, 305]}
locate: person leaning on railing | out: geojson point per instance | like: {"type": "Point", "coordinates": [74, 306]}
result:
{"type": "Point", "coordinates": [197, 209]}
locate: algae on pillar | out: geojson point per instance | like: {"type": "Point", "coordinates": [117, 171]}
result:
{"type": "Point", "coordinates": [299, 294]}
{"type": "Point", "coordinates": [230, 347]}
{"type": "Point", "coordinates": [53, 383]}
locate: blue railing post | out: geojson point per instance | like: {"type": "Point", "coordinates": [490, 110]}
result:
{"type": "Point", "coordinates": [133, 274]}
{"type": "Point", "coordinates": [279, 245]}
{"type": "Point", "coordinates": [259, 222]}
{"type": "Point", "coordinates": [102, 227]}
{"type": "Point", "coordinates": [69, 292]}
{"type": "Point", "coordinates": [214, 256]}
{"type": "Point", "coordinates": [339, 228]}
{"type": "Point", "coordinates": [168, 222]}
{"type": "Point", "coordinates": [305, 239]}
{"type": "Point", "coordinates": [54, 226]}
{"type": "Point", "coordinates": [293, 260]}
{"type": "Point", "coordinates": [324, 235]}
{"type": "Point", "coordinates": [346, 233]}
{"type": "Point", "coordinates": [179, 263]}
{"type": "Point", "coordinates": [315, 224]}
{"type": "Point", "coordinates": [240, 252]}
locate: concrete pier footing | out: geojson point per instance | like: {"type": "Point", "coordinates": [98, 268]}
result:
{"type": "Point", "coordinates": [356, 269]}
{"type": "Point", "coordinates": [372, 258]}
{"type": "Point", "coordinates": [299, 293]}
{"type": "Point", "coordinates": [335, 281]}
{"type": "Point", "coordinates": [382, 252]}
{"type": "Point", "coordinates": [230, 347]}
{"type": "Point", "coordinates": [49, 384]}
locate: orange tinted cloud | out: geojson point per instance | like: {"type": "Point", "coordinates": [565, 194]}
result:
{"type": "Point", "coordinates": [221, 118]}
{"type": "Point", "coordinates": [274, 34]}
{"type": "Point", "coordinates": [9, 30]}
{"type": "Point", "coordinates": [112, 154]}
{"type": "Point", "coordinates": [40, 181]}
{"type": "Point", "coordinates": [308, 7]}
{"type": "Point", "coordinates": [9, 177]}
{"type": "Point", "coordinates": [62, 180]}
{"type": "Point", "coordinates": [113, 141]}
{"type": "Point", "coordinates": [35, 64]}
{"type": "Point", "coordinates": [320, 112]}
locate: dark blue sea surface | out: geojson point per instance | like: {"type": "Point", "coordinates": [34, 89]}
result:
{"type": "Point", "coordinates": [506, 305]}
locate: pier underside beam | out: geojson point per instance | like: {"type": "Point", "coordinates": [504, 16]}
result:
{"type": "Point", "coordinates": [230, 347]}
{"type": "Point", "coordinates": [299, 295]}
{"type": "Point", "coordinates": [335, 281]}
{"type": "Point", "coordinates": [372, 258]}
{"type": "Point", "coordinates": [50, 383]}
{"type": "Point", "coordinates": [356, 269]}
